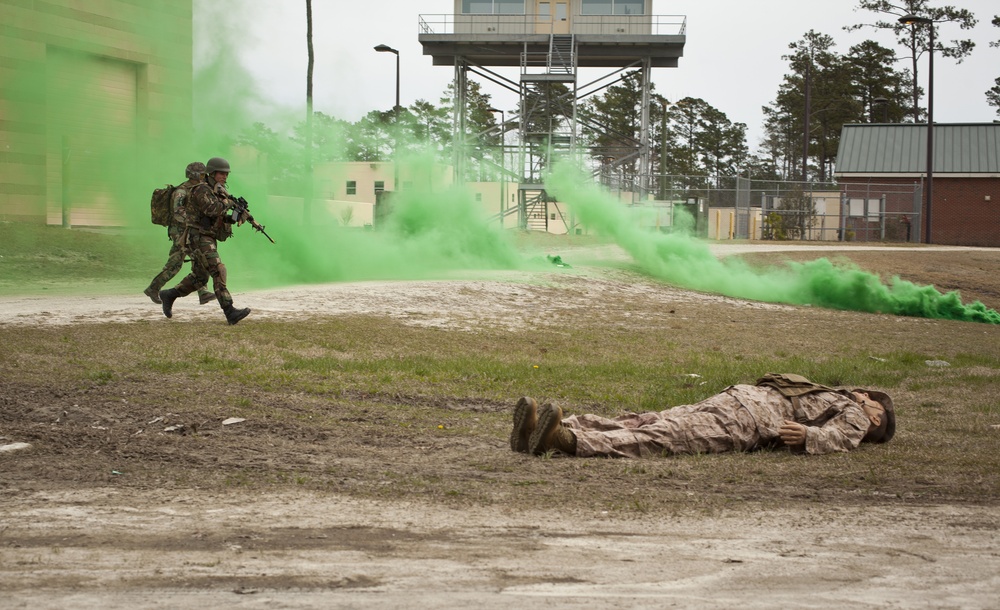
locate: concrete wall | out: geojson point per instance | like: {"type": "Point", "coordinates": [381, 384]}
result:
{"type": "Point", "coordinates": [334, 180]}
{"type": "Point", "coordinates": [78, 82]}
{"type": "Point", "coordinates": [722, 223]}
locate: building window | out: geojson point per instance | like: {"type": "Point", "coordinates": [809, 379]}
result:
{"type": "Point", "coordinates": [352, 187]}
{"type": "Point", "coordinates": [613, 7]}
{"type": "Point", "coordinates": [379, 186]}
{"type": "Point", "coordinates": [493, 7]}
{"type": "Point", "coordinates": [479, 197]}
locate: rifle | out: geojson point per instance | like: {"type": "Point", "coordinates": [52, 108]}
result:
{"type": "Point", "coordinates": [241, 213]}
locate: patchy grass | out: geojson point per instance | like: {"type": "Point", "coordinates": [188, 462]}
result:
{"type": "Point", "coordinates": [372, 407]}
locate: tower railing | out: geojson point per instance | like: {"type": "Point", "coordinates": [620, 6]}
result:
{"type": "Point", "coordinates": [605, 25]}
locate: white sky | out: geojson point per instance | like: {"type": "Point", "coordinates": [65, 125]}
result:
{"type": "Point", "coordinates": [732, 58]}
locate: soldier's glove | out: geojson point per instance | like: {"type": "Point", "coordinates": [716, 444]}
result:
{"type": "Point", "coordinates": [234, 216]}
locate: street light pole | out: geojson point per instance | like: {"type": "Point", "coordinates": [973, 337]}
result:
{"type": "Point", "coordinates": [913, 20]}
{"type": "Point", "coordinates": [384, 48]}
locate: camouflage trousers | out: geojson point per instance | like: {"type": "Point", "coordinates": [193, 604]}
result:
{"type": "Point", "coordinates": [205, 263]}
{"type": "Point", "coordinates": [715, 425]}
{"type": "Point", "coordinates": [175, 260]}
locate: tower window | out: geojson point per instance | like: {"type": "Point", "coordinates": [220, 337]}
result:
{"type": "Point", "coordinates": [493, 7]}
{"type": "Point", "coordinates": [613, 7]}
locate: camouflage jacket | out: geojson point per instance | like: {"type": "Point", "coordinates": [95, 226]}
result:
{"type": "Point", "coordinates": [834, 421]}
{"type": "Point", "coordinates": [205, 210]}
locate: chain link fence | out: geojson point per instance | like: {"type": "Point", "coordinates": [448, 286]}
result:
{"type": "Point", "coordinates": [741, 208]}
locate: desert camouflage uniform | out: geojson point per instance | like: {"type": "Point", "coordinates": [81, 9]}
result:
{"type": "Point", "coordinates": [175, 231]}
{"type": "Point", "coordinates": [204, 227]}
{"type": "Point", "coordinates": [740, 418]}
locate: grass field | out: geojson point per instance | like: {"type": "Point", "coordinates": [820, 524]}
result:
{"type": "Point", "coordinates": [375, 406]}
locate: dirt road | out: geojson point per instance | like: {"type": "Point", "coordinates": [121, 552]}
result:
{"type": "Point", "coordinates": [108, 549]}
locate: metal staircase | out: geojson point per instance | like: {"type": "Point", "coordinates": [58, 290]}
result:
{"type": "Point", "coordinates": [562, 58]}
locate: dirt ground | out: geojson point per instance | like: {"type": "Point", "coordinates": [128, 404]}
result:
{"type": "Point", "coordinates": [69, 538]}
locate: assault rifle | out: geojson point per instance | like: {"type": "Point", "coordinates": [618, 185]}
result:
{"type": "Point", "coordinates": [240, 213]}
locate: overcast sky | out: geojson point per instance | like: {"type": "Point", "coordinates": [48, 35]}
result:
{"type": "Point", "coordinates": [732, 58]}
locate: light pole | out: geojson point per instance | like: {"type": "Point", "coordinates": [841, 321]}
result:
{"type": "Point", "coordinates": [503, 162]}
{"type": "Point", "coordinates": [913, 20]}
{"type": "Point", "coordinates": [384, 48]}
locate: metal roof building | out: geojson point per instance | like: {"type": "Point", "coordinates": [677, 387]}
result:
{"type": "Point", "coordinates": [887, 163]}
{"type": "Point", "coordinates": [900, 149]}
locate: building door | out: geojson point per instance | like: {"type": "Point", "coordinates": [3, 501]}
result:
{"type": "Point", "coordinates": [91, 111]}
{"type": "Point", "coordinates": [552, 17]}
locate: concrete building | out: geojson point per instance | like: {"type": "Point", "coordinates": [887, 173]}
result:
{"type": "Point", "coordinates": [85, 89]}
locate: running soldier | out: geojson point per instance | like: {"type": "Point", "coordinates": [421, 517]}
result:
{"type": "Point", "coordinates": [206, 211]}
{"type": "Point", "coordinates": [195, 173]}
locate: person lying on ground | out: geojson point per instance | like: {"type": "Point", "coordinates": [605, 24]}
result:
{"type": "Point", "coordinates": [781, 410]}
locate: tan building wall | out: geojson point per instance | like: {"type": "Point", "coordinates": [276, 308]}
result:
{"type": "Point", "coordinates": [558, 17]}
{"type": "Point", "coordinates": [85, 89]}
{"type": "Point", "coordinates": [494, 198]}
{"type": "Point", "coordinates": [826, 227]}
{"type": "Point", "coordinates": [361, 180]}
{"type": "Point", "coordinates": [722, 223]}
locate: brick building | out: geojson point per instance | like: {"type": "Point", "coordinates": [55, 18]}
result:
{"type": "Point", "coordinates": [90, 92]}
{"type": "Point", "coordinates": [887, 164]}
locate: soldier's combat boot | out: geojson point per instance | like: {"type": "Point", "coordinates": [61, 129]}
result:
{"type": "Point", "coordinates": [205, 296]}
{"type": "Point", "coordinates": [234, 315]}
{"type": "Point", "coordinates": [550, 434]}
{"type": "Point", "coordinates": [153, 294]}
{"type": "Point", "coordinates": [167, 298]}
{"type": "Point", "coordinates": [525, 420]}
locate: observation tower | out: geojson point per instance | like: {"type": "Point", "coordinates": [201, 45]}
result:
{"type": "Point", "coordinates": [549, 41]}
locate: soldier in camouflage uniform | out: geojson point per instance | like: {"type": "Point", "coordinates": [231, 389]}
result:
{"type": "Point", "coordinates": [207, 210]}
{"type": "Point", "coordinates": [195, 173]}
{"type": "Point", "coordinates": [740, 418]}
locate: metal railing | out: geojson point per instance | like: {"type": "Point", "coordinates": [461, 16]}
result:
{"type": "Point", "coordinates": [607, 25]}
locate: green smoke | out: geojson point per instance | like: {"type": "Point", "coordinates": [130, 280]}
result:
{"type": "Point", "coordinates": [429, 234]}
{"type": "Point", "coordinates": [112, 158]}
{"type": "Point", "coordinates": [110, 155]}
{"type": "Point", "coordinates": [685, 261]}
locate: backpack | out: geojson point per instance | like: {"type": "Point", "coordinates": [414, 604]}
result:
{"type": "Point", "coordinates": [159, 205]}
{"type": "Point", "coordinates": [791, 385]}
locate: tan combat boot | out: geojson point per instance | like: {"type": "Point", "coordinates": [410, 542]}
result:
{"type": "Point", "coordinates": [550, 434]}
{"type": "Point", "coordinates": [525, 420]}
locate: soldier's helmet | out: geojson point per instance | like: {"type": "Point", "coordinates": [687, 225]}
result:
{"type": "Point", "coordinates": [887, 429]}
{"type": "Point", "coordinates": [217, 164]}
{"type": "Point", "coordinates": [195, 171]}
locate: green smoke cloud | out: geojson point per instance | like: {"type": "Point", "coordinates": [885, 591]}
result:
{"type": "Point", "coordinates": [685, 261]}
